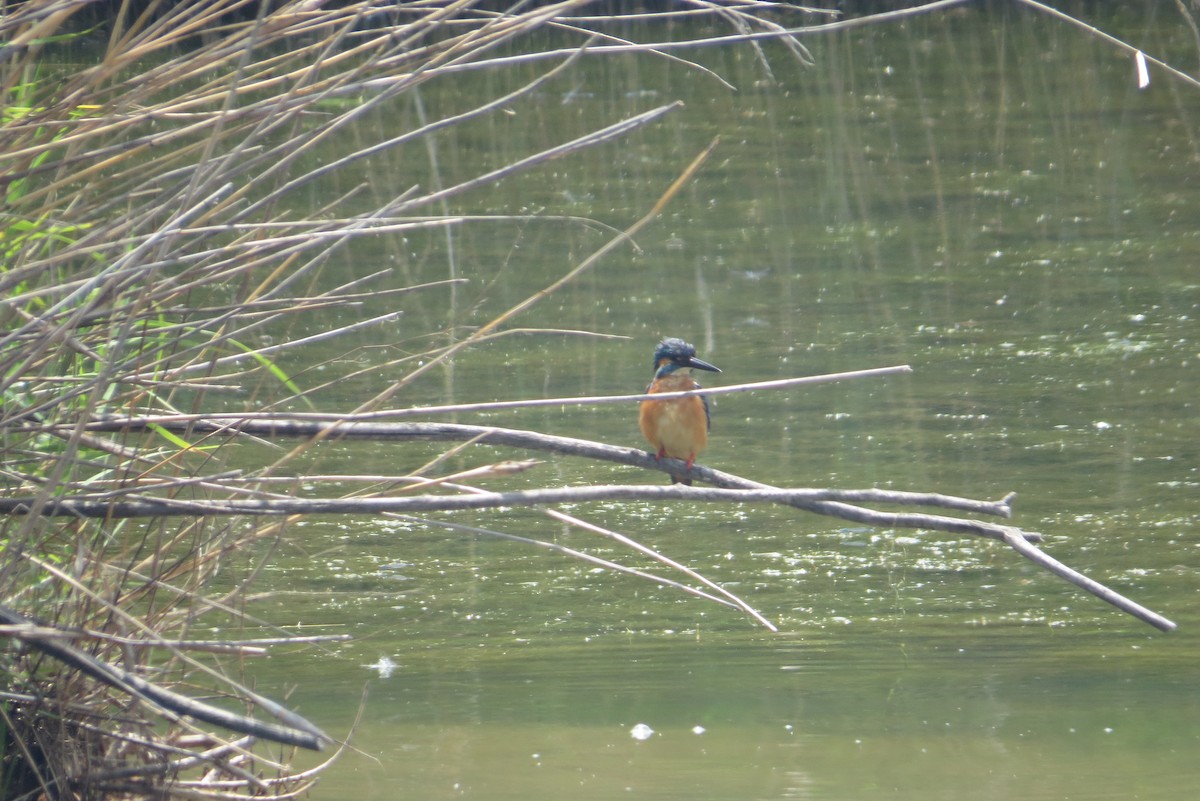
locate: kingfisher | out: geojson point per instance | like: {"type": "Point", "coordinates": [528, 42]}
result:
{"type": "Point", "coordinates": [677, 428]}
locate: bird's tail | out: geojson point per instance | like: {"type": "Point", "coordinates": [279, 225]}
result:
{"type": "Point", "coordinates": [687, 482]}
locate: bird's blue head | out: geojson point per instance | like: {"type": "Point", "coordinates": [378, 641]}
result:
{"type": "Point", "coordinates": [672, 354]}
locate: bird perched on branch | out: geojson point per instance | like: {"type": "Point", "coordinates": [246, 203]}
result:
{"type": "Point", "coordinates": [677, 428]}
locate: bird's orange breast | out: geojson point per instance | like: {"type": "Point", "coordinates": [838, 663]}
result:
{"type": "Point", "coordinates": [677, 428]}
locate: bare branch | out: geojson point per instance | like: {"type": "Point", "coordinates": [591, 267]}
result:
{"type": "Point", "coordinates": [822, 501]}
{"type": "Point", "coordinates": [727, 487]}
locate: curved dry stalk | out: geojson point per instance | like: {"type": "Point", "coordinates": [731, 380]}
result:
{"type": "Point", "coordinates": [300, 733]}
{"type": "Point", "coordinates": [607, 564]}
{"type": "Point", "coordinates": [629, 542]}
{"type": "Point", "coordinates": [733, 600]}
{"type": "Point", "coordinates": [1112, 40]}
{"type": "Point", "coordinates": [296, 731]}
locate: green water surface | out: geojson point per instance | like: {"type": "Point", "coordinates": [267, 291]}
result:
{"type": "Point", "coordinates": [984, 195]}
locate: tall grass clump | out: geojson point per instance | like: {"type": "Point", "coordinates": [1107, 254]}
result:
{"type": "Point", "coordinates": [155, 162]}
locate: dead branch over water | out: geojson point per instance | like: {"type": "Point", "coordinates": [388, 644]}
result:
{"type": "Point", "coordinates": [727, 488]}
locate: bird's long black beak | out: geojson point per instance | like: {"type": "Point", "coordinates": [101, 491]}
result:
{"type": "Point", "coordinates": [700, 364]}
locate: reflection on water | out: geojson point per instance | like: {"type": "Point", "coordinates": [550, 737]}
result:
{"type": "Point", "coordinates": [985, 196]}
